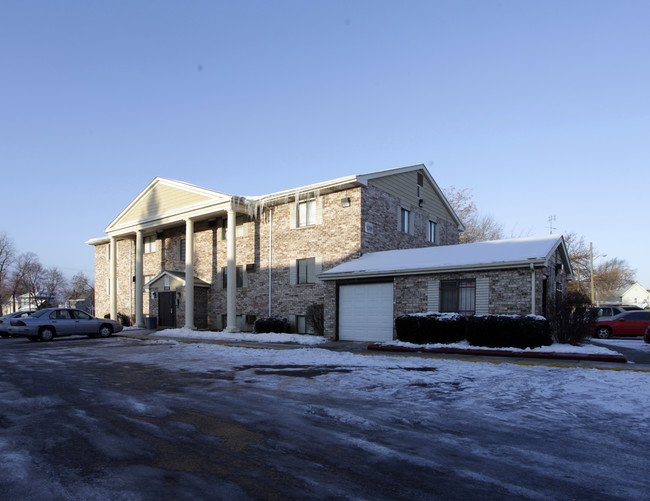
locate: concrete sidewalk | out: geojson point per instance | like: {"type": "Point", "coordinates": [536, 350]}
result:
{"type": "Point", "coordinates": [361, 347]}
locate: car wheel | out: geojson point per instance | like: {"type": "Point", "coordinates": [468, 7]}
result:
{"type": "Point", "coordinates": [105, 331]}
{"type": "Point", "coordinates": [46, 334]}
{"type": "Point", "coordinates": [603, 332]}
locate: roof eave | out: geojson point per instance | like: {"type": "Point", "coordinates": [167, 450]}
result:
{"type": "Point", "coordinates": [436, 270]}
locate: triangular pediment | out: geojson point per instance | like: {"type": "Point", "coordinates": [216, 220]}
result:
{"type": "Point", "coordinates": [164, 198]}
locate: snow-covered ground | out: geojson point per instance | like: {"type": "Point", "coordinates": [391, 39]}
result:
{"type": "Point", "coordinates": [308, 340]}
{"type": "Point", "coordinates": [633, 343]}
{"type": "Point", "coordinates": [183, 333]}
{"type": "Point", "coordinates": [519, 431]}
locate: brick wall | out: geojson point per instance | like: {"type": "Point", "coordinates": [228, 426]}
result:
{"type": "Point", "coordinates": [381, 209]}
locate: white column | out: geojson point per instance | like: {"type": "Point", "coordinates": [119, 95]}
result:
{"type": "Point", "coordinates": [112, 288]}
{"type": "Point", "coordinates": [532, 289]}
{"type": "Point", "coordinates": [139, 252]}
{"type": "Point", "coordinates": [231, 296]}
{"type": "Point", "coordinates": [189, 274]}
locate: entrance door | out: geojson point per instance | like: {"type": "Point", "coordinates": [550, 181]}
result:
{"type": "Point", "coordinates": [167, 309]}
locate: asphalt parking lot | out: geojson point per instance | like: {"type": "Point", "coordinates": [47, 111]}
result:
{"type": "Point", "coordinates": [125, 418]}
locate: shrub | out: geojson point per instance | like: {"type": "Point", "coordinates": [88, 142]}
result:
{"type": "Point", "coordinates": [573, 319]}
{"type": "Point", "coordinates": [430, 328]}
{"type": "Point", "coordinates": [315, 315]}
{"type": "Point", "coordinates": [508, 331]}
{"type": "Point", "coordinates": [271, 324]}
{"type": "Point", "coordinates": [123, 319]}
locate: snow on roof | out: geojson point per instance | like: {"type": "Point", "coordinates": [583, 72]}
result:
{"type": "Point", "coordinates": [491, 254]}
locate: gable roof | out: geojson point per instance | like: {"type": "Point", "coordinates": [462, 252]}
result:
{"type": "Point", "coordinates": [166, 198]}
{"type": "Point", "coordinates": [166, 201]}
{"type": "Point", "coordinates": [495, 254]}
{"type": "Point", "coordinates": [175, 275]}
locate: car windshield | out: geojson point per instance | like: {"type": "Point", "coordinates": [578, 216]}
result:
{"type": "Point", "coordinates": [40, 313]}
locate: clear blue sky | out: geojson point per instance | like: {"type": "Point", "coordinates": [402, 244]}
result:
{"type": "Point", "coordinates": [540, 108]}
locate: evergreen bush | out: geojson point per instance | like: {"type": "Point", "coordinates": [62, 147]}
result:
{"type": "Point", "coordinates": [270, 324]}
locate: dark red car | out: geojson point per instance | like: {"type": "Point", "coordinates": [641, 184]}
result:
{"type": "Point", "coordinates": [630, 323]}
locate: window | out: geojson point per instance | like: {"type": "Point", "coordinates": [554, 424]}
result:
{"type": "Point", "coordinates": [458, 296]}
{"type": "Point", "coordinates": [405, 221]}
{"type": "Point", "coordinates": [240, 228]}
{"type": "Point", "coordinates": [431, 232]}
{"type": "Point", "coordinates": [239, 321]}
{"type": "Point", "coordinates": [304, 325]}
{"type": "Point", "coordinates": [181, 249]}
{"type": "Point", "coordinates": [306, 270]}
{"type": "Point", "coordinates": [306, 213]}
{"type": "Point", "coordinates": [240, 276]}
{"type": "Point", "coordinates": [149, 244]}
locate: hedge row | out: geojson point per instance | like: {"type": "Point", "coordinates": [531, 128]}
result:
{"type": "Point", "coordinates": [493, 331]}
{"type": "Point", "coordinates": [271, 324]}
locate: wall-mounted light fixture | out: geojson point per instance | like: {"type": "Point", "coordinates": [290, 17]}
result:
{"type": "Point", "coordinates": [421, 202]}
{"type": "Point", "coordinates": [153, 295]}
{"type": "Point", "coordinates": [345, 202]}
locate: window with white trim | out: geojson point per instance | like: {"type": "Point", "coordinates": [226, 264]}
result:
{"type": "Point", "coordinates": [306, 214]}
{"type": "Point", "coordinates": [306, 269]}
{"type": "Point", "coordinates": [431, 232]}
{"type": "Point", "coordinates": [181, 249]}
{"type": "Point", "coordinates": [304, 325]}
{"type": "Point", "coordinates": [405, 221]}
{"type": "Point", "coordinates": [239, 282]}
{"type": "Point", "coordinates": [149, 244]}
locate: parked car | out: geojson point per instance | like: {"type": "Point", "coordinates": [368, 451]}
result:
{"type": "Point", "coordinates": [611, 310]}
{"type": "Point", "coordinates": [629, 323]}
{"type": "Point", "coordinates": [646, 337]}
{"type": "Point", "coordinates": [48, 323]}
{"type": "Point", "coordinates": [4, 321]}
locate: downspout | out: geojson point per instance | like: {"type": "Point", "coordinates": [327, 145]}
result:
{"type": "Point", "coordinates": [270, 258]}
{"type": "Point", "coordinates": [532, 288]}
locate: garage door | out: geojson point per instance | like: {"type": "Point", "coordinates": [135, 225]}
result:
{"type": "Point", "coordinates": [366, 312]}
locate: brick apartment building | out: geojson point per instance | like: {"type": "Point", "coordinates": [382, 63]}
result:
{"type": "Point", "coordinates": [201, 259]}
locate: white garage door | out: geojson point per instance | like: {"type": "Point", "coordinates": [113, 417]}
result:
{"type": "Point", "coordinates": [366, 312]}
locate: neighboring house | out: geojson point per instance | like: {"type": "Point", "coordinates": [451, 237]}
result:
{"type": "Point", "coordinates": [636, 295]}
{"type": "Point", "coordinates": [81, 303]}
{"type": "Point", "coordinates": [26, 302]}
{"type": "Point", "coordinates": [518, 276]}
{"type": "Point", "coordinates": [198, 258]}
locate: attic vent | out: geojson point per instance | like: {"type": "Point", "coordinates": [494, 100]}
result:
{"type": "Point", "coordinates": [369, 228]}
{"type": "Point", "coordinates": [420, 179]}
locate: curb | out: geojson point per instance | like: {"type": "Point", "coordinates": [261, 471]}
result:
{"type": "Point", "coordinates": [593, 357]}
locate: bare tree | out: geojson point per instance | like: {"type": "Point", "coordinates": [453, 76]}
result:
{"type": "Point", "coordinates": [579, 255]}
{"type": "Point", "coordinates": [478, 227]}
{"type": "Point", "coordinates": [28, 277]}
{"type": "Point", "coordinates": [7, 257]}
{"type": "Point", "coordinates": [53, 284]}
{"type": "Point", "coordinates": [79, 287]}
{"type": "Point", "coordinates": [611, 276]}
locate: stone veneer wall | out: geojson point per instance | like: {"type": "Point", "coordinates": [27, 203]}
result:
{"type": "Point", "coordinates": [334, 240]}
{"type": "Point", "coordinates": [509, 289]}
{"type": "Point", "coordinates": [381, 209]}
